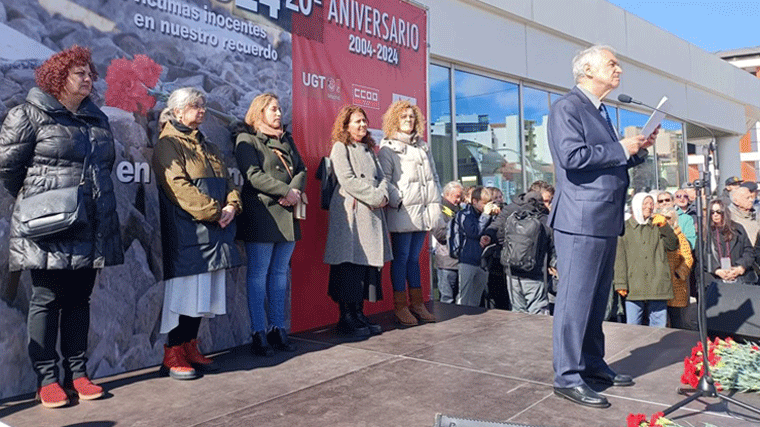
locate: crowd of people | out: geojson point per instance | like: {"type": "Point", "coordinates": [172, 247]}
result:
{"type": "Point", "coordinates": [655, 260]}
{"type": "Point", "coordinates": [386, 199]}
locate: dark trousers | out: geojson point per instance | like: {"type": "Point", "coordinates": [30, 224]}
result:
{"type": "Point", "coordinates": [586, 267]}
{"type": "Point", "coordinates": [351, 283]}
{"type": "Point", "coordinates": [186, 331]}
{"type": "Point", "coordinates": [59, 297]}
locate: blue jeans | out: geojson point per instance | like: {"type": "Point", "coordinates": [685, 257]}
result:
{"type": "Point", "coordinates": [267, 280]}
{"type": "Point", "coordinates": [405, 266]}
{"type": "Point", "coordinates": [658, 310]}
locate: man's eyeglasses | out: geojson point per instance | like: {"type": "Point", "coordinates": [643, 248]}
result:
{"type": "Point", "coordinates": [664, 200]}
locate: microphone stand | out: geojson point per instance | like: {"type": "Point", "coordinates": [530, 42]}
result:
{"type": "Point", "coordinates": [706, 386]}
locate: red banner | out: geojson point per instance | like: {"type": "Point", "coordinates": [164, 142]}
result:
{"type": "Point", "coordinates": [369, 53]}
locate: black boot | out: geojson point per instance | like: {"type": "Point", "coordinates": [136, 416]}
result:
{"type": "Point", "coordinates": [374, 328]}
{"type": "Point", "coordinates": [348, 324]}
{"type": "Point", "coordinates": [278, 338]}
{"type": "Point", "coordinates": [260, 346]}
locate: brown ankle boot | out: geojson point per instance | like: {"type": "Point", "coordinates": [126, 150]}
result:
{"type": "Point", "coordinates": [418, 307]}
{"type": "Point", "coordinates": [403, 315]}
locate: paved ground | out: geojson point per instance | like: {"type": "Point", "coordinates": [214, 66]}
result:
{"type": "Point", "coordinates": [491, 365]}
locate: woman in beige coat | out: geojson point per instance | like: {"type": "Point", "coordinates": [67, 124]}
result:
{"type": "Point", "coordinates": [357, 238]}
{"type": "Point", "coordinates": [414, 204]}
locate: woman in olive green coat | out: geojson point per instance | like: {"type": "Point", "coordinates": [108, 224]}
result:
{"type": "Point", "coordinates": [642, 271]}
{"type": "Point", "coordinates": [275, 178]}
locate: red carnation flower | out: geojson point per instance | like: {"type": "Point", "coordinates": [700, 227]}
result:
{"type": "Point", "coordinates": [128, 83]}
{"type": "Point", "coordinates": [656, 416]}
{"type": "Point", "coordinates": [147, 70]}
{"type": "Point", "coordinates": [635, 420]}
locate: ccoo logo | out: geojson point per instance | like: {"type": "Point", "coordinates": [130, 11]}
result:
{"type": "Point", "coordinates": [366, 96]}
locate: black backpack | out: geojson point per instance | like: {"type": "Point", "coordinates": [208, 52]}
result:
{"type": "Point", "coordinates": [455, 235]}
{"type": "Point", "coordinates": [329, 181]}
{"type": "Point", "coordinates": [523, 235]}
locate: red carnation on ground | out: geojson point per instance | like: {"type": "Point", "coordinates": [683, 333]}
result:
{"type": "Point", "coordinates": [656, 416]}
{"type": "Point", "coordinates": [128, 83]}
{"type": "Point", "coordinates": [635, 420]}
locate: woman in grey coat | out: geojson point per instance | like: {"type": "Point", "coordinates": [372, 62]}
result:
{"type": "Point", "coordinates": [44, 143]}
{"type": "Point", "coordinates": [357, 238]}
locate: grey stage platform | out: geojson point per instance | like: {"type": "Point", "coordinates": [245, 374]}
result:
{"type": "Point", "coordinates": [490, 365]}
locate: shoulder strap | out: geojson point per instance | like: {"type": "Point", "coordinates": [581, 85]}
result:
{"type": "Point", "coordinates": [282, 159]}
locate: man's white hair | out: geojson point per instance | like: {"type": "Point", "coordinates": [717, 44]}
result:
{"type": "Point", "coordinates": [451, 186]}
{"type": "Point", "coordinates": [586, 57]}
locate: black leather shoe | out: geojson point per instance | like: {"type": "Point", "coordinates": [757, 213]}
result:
{"type": "Point", "coordinates": [260, 346]}
{"type": "Point", "coordinates": [582, 395]}
{"type": "Point", "coordinates": [604, 377]}
{"type": "Point", "coordinates": [278, 338]}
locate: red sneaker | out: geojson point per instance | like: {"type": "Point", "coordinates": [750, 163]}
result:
{"type": "Point", "coordinates": [52, 396]}
{"type": "Point", "coordinates": [84, 388]}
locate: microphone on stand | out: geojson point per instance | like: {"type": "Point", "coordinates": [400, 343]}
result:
{"type": "Point", "coordinates": [630, 100]}
{"type": "Point", "coordinates": [708, 148]}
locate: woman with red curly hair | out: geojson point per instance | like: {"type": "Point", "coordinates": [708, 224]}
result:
{"type": "Point", "coordinates": [54, 140]}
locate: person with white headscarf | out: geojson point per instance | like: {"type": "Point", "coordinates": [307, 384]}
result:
{"type": "Point", "coordinates": [642, 272]}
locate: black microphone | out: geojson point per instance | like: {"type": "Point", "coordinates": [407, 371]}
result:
{"type": "Point", "coordinates": [629, 100]}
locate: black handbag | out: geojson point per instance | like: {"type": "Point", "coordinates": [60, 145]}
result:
{"type": "Point", "coordinates": [52, 212]}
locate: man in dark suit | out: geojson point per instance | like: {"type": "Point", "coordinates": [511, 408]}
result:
{"type": "Point", "coordinates": [591, 163]}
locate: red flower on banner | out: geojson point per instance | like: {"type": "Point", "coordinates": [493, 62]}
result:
{"type": "Point", "coordinates": [128, 83]}
{"type": "Point", "coordinates": [147, 69]}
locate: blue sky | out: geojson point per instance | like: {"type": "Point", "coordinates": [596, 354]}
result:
{"type": "Point", "coordinates": [712, 25]}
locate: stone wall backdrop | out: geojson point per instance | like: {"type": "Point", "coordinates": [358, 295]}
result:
{"type": "Point", "coordinates": [126, 302]}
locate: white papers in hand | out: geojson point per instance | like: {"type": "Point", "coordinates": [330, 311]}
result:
{"type": "Point", "coordinates": [656, 118]}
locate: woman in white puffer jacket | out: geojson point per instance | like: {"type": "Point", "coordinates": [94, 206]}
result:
{"type": "Point", "coordinates": [414, 204]}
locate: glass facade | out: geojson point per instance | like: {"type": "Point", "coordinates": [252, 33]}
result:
{"type": "Point", "coordinates": [440, 136]}
{"type": "Point", "coordinates": [487, 132]}
{"type": "Point", "coordinates": [538, 159]}
{"type": "Point", "coordinates": [500, 129]}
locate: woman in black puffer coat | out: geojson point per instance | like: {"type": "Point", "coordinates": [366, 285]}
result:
{"type": "Point", "coordinates": [43, 145]}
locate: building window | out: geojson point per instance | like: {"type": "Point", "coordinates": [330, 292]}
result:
{"type": "Point", "coordinates": [538, 160]}
{"type": "Point", "coordinates": [664, 168]}
{"type": "Point", "coordinates": [670, 156]}
{"type": "Point", "coordinates": [487, 124]}
{"type": "Point", "coordinates": [643, 175]}
{"type": "Point", "coordinates": [441, 142]}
